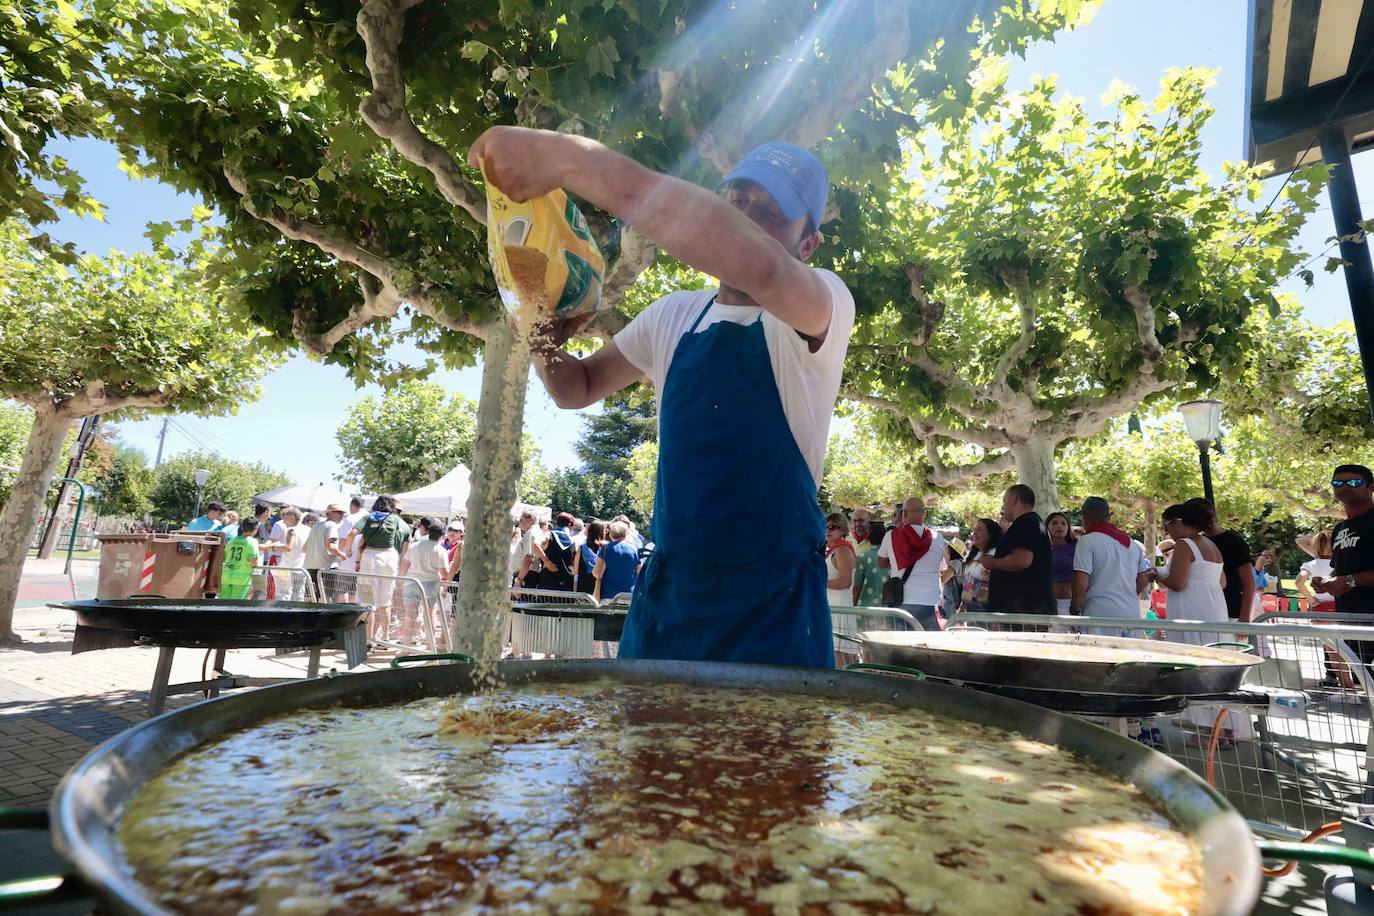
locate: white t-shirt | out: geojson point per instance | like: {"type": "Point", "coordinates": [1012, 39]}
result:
{"type": "Point", "coordinates": [346, 527]}
{"type": "Point", "coordinates": [1319, 569]}
{"type": "Point", "coordinates": [428, 560]}
{"type": "Point", "coordinates": [1111, 571]}
{"type": "Point", "coordinates": [808, 383]}
{"type": "Point", "coordinates": [277, 536]}
{"type": "Point", "coordinates": [923, 585]}
{"type": "Point", "coordinates": [294, 558]}
{"type": "Point", "coordinates": [317, 555]}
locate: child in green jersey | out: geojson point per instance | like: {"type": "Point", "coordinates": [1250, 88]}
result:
{"type": "Point", "coordinates": [240, 557]}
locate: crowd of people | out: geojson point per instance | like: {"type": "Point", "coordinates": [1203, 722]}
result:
{"type": "Point", "coordinates": [599, 557]}
{"type": "Point", "coordinates": [1021, 563]}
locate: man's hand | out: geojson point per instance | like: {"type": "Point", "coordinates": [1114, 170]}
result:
{"type": "Point", "coordinates": [522, 162]}
{"type": "Point", "coordinates": [554, 333]}
{"type": "Point", "coordinates": [1334, 586]}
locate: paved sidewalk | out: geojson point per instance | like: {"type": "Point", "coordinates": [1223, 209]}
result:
{"type": "Point", "coordinates": [55, 707]}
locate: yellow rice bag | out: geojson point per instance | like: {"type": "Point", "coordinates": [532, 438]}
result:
{"type": "Point", "coordinates": [543, 255]}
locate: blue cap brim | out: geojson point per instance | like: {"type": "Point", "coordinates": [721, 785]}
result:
{"type": "Point", "coordinates": [787, 196]}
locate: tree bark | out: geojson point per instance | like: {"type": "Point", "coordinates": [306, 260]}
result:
{"type": "Point", "coordinates": [1035, 468]}
{"type": "Point", "coordinates": [483, 587]}
{"type": "Point", "coordinates": [20, 516]}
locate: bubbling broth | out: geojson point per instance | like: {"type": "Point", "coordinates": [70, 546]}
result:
{"type": "Point", "coordinates": [606, 798]}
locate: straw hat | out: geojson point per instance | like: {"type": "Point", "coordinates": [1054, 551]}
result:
{"type": "Point", "coordinates": [959, 547]}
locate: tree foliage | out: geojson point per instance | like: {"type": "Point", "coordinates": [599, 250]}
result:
{"type": "Point", "coordinates": [125, 485]}
{"type": "Point", "coordinates": [121, 332]}
{"type": "Point", "coordinates": [863, 469]}
{"type": "Point", "coordinates": [414, 433]}
{"type": "Point", "coordinates": [590, 495]}
{"type": "Point", "coordinates": [50, 88]}
{"type": "Point", "coordinates": [233, 483]}
{"type": "Point", "coordinates": [408, 436]}
{"type": "Point", "coordinates": [609, 438]}
{"type": "Point", "coordinates": [332, 139]}
{"type": "Point", "coordinates": [1036, 272]}
{"type": "Point", "coordinates": [642, 469]}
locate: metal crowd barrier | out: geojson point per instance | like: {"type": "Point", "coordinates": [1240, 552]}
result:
{"type": "Point", "coordinates": [1295, 744]}
{"type": "Point", "coordinates": [404, 608]}
{"type": "Point", "coordinates": [84, 576]}
{"type": "Point", "coordinates": [847, 622]}
{"type": "Point", "coordinates": [289, 583]}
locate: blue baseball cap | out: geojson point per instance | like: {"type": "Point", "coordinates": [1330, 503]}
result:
{"type": "Point", "coordinates": [794, 176]}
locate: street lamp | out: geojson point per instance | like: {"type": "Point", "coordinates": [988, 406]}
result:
{"type": "Point", "coordinates": [202, 476]}
{"type": "Point", "coordinates": [1202, 420]}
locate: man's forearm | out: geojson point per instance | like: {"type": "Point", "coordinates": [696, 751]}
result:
{"type": "Point", "coordinates": [563, 375]}
{"type": "Point", "coordinates": [690, 223]}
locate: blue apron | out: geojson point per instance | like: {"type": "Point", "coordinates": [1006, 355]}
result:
{"type": "Point", "coordinates": [726, 453]}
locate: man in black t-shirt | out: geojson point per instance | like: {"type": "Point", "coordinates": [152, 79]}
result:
{"type": "Point", "coordinates": [1352, 542]}
{"type": "Point", "coordinates": [1239, 589]}
{"type": "Point", "coordinates": [1020, 579]}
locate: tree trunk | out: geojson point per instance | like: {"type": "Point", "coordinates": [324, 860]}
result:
{"type": "Point", "coordinates": [483, 589]}
{"type": "Point", "coordinates": [1035, 468]}
{"type": "Point", "coordinates": [1151, 528]}
{"type": "Point", "coordinates": [21, 514]}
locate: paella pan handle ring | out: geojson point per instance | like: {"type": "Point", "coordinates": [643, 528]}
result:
{"type": "Point", "coordinates": [27, 892]}
{"type": "Point", "coordinates": [1238, 646]}
{"type": "Point", "coordinates": [916, 673]}
{"type": "Point", "coordinates": [459, 657]}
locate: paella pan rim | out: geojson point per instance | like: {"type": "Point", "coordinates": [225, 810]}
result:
{"type": "Point", "coordinates": [88, 803]}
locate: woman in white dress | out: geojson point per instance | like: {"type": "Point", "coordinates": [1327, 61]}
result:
{"type": "Point", "coordinates": [840, 561]}
{"type": "Point", "coordinates": [1194, 577]}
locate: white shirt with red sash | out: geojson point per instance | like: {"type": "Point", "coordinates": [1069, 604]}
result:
{"type": "Point", "coordinates": [923, 586]}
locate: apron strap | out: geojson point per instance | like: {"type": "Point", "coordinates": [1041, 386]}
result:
{"type": "Point", "coordinates": [710, 302]}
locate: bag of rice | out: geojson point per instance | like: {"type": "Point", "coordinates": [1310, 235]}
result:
{"type": "Point", "coordinates": [545, 260]}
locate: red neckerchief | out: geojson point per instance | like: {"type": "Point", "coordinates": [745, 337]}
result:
{"type": "Point", "coordinates": [908, 547]}
{"type": "Point", "coordinates": [1111, 531]}
{"type": "Point", "coordinates": [842, 542]}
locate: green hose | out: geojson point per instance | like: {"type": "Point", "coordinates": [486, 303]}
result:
{"type": "Point", "coordinates": [29, 892]}
{"type": "Point", "coordinates": [1320, 853]}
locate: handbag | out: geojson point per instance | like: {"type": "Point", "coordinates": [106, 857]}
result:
{"type": "Point", "coordinates": [894, 590]}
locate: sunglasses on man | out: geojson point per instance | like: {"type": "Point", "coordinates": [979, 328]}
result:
{"type": "Point", "coordinates": [1356, 482]}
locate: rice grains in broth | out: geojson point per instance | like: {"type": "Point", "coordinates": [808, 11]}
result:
{"type": "Point", "coordinates": [608, 798]}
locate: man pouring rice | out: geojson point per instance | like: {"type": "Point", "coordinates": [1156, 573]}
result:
{"type": "Point", "coordinates": [745, 376]}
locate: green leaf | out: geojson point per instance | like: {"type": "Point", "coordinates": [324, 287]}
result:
{"type": "Point", "coordinates": [602, 57]}
{"type": "Point", "coordinates": [474, 50]}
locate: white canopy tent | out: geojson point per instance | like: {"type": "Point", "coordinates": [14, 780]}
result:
{"type": "Point", "coordinates": [446, 497]}
{"type": "Point", "coordinates": [303, 496]}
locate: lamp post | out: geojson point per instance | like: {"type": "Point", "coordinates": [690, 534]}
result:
{"type": "Point", "coordinates": [1202, 420]}
{"type": "Point", "coordinates": [202, 476]}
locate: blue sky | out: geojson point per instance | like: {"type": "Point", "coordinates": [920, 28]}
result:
{"type": "Point", "coordinates": [292, 427]}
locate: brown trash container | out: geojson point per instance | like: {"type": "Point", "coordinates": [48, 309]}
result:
{"type": "Point", "coordinates": [179, 564]}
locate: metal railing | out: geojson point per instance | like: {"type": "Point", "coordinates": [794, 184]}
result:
{"type": "Point", "coordinates": [84, 576]}
{"type": "Point", "coordinates": [1291, 750]}
{"type": "Point", "coordinates": [404, 610]}
{"type": "Point", "coordinates": [847, 622]}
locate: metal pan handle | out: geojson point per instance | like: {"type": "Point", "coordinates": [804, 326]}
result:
{"type": "Point", "coordinates": [847, 638]}
{"type": "Point", "coordinates": [917, 673]}
{"type": "Point", "coordinates": [45, 889]}
{"type": "Point", "coordinates": [1167, 666]}
{"type": "Point", "coordinates": [1238, 646]}
{"type": "Point", "coordinates": [401, 660]}
{"type": "Point", "coordinates": [1320, 853]}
